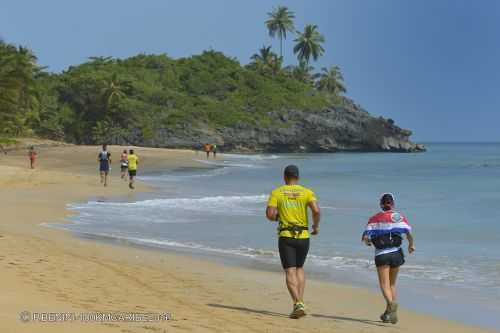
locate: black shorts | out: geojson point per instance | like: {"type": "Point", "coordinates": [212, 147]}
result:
{"type": "Point", "coordinates": [393, 259]}
{"type": "Point", "coordinates": [132, 173]}
{"type": "Point", "coordinates": [104, 166]}
{"type": "Point", "coordinates": [293, 251]}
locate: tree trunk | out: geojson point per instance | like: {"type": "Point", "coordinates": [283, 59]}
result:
{"type": "Point", "coordinates": [281, 47]}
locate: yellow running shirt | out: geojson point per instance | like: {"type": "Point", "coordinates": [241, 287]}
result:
{"type": "Point", "coordinates": [292, 201]}
{"type": "Point", "coordinates": [132, 162]}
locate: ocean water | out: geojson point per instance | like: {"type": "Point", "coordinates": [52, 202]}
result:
{"type": "Point", "coordinates": [450, 194]}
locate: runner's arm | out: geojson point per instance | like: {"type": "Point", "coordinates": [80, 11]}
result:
{"type": "Point", "coordinates": [272, 213]}
{"type": "Point", "coordinates": [366, 239]}
{"type": "Point", "coordinates": [316, 214]}
{"type": "Point", "coordinates": [411, 244]}
{"type": "Point", "coordinates": [272, 207]}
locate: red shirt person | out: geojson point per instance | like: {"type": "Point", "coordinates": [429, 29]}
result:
{"type": "Point", "coordinates": [32, 156]}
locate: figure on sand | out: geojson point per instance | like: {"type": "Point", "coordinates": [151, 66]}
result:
{"type": "Point", "coordinates": [133, 162]}
{"type": "Point", "coordinates": [210, 148]}
{"type": "Point", "coordinates": [384, 231]}
{"type": "Point", "coordinates": [288, 206]}
{"type": "Point", "coordinates": [104, 160]}
{"type": "Point", "coordinates": [32, 154]}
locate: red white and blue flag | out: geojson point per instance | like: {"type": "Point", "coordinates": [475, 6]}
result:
{"type": "Point", "coordinates": [387, 222]}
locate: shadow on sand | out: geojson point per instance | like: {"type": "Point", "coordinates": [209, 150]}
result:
{"type": "Point", "coordinates": [282, 315]}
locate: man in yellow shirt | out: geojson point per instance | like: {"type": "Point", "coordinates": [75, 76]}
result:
{"type": "Point", "coordinates": [288, 205]}
{"type": "Point", "coordinates": [133, 161]}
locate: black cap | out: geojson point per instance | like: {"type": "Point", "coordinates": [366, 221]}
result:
{"type": "Point", "coordinates": [292, 171]}
{"type": "Point", "coordinates": [387, 197]}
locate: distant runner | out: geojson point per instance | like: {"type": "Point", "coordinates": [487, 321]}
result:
{"type": "Point", "coordinates": [288, 205]}
{"type": "Point", "coordinates": [104, 159]}
{"type": "Point", "coordinates": [133, 161]}
{"type": "Point", "coordinates": [32, 154]}
{"type": "Point", "coordinates": [384, 231]}
{"type": "Point", "coordinates": [207, 147]}
{"type": "Point", "coordinates": [124, 164]}
{"type": "Point", "coordinates": [214, 150]}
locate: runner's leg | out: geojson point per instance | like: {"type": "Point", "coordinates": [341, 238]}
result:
{"type": "Point", "coordinates": [384, 282]}
{"type": "Point", "coordinates": [301, 281]}
{"type": "Point", "coordinates": [292, 283]}
{"type": "Point", "coordinates": [393, 276]}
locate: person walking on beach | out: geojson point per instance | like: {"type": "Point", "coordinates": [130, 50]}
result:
{"type": "Point", "coordinates": [104, 160]}
{"type": "Point", "coordinates": [384, 231]}
{"type": "Point", "coordinates": [133, 162]}
{"type": "Point", "coordinates": [124, 164]}
{"type": "Point", "coordinates": [32, 156]}
{"type": "Point", "coordinates": [288, 205]}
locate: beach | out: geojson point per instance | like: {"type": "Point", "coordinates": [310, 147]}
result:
{"type": "Point", "coordinates": [46, 270]}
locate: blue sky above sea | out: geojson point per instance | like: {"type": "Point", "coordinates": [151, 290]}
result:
{"type": "Point", "coordinates": [431, 65]}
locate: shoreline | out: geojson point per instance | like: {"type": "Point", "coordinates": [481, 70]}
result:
{"type": "Point", "coordinates": [45, 267]}
{"type": "Point", "coordinates": [430, 297]}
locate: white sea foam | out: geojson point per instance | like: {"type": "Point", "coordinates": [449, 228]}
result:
{"type": "Point", "coordinates": [327, 263]}
{"type": "Point", "coordinates": [233, 164]}
{"type": "Point", "coordinates": [177, 176]}
{"type": "Point", "coordinates": [173, 210]}
{"type": "Point", "coordinates": [179, 202]}
{"type": "Point", "coordinates": [162, 243]}
{"type": "Point", "coordinates": [254, 157]}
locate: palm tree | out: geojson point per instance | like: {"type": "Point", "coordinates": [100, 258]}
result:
{"type": "Point", "coordinates": [276, 65]}
{"type": "Point", "coordinates": [19, 97]}
{"type": "Point", "coordinates": [112, 91]}
{"type": "Point", "coordinates": [309, 44]}
{"type": "Point", "coordinates": [18, 67]}
{"type": "Point", "coordinates": [264, 56]}
{"type": "Point", "coordinates": [331, 80]}
{"type": "Point", "coordinates": [266, 60]}
{"type": "Point", "coordinates": [279, 23]}
{"type": "Point", "coordinates": [9, 84]}
{"type": "Point", "coordinates": [302, 72]}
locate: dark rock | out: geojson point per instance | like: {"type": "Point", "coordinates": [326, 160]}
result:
{"type": "Point", "coordinates": [347, 128]}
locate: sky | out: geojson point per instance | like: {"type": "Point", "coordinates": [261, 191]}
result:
{"type": "Point", "coordinates": [431, 65]}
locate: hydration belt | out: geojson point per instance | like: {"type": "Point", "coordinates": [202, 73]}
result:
{"type": "Point", "coordinates": [388, 240]}
{"type": "Point", "coordinates": [294, 230]}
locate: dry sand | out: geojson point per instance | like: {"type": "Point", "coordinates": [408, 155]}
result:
{"type": "Point", "coordinates": [49, 271]}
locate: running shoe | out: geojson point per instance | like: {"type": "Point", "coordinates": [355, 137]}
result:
{"type": "Point", "coordinates": [385, 317]}
{"type": "Point", "coordinates": [393, 313]}
{"type": "Point", "coordinates": [299, 310]}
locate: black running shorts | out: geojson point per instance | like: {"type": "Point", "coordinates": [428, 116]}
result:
{"type": "Point", "coordinates": [393, 259]}
{"type": "Point", "coordinates": [293, 251]}
{"type": "Point", "coordinates": [132, 173]}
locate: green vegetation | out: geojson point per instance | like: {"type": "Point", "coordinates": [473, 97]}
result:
{"type": "Point", "coordinates": [7, 142]}
{"type": "Point", "coordinates": [109, 100]}
{"type": "Point", "coordinates": [331, 80]}
{"type": "Point", "coordinates": [19, 92]}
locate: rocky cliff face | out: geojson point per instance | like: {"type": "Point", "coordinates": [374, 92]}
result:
{"type": "Point", "coordinates": [334, 129]}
